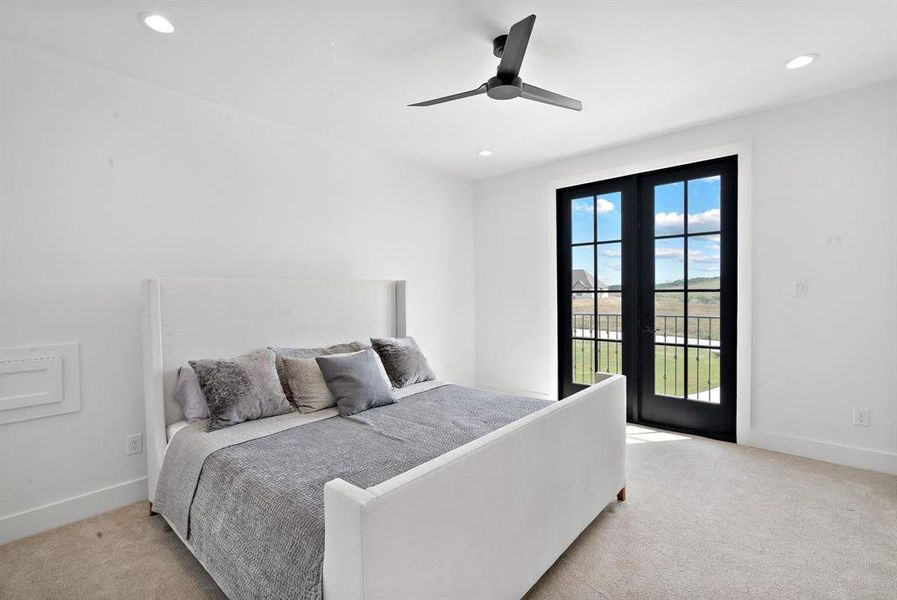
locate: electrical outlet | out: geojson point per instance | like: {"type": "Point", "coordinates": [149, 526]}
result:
{"type": "Point", "coordinates": [801, 288]}
{"type": "Point", "coordinates": [861, 417]}
{"type": "Point", "coordinates": [135, 444]}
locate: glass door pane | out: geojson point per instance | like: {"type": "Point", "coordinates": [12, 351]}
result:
{"type": "Point", "coordinates": [686, 287]}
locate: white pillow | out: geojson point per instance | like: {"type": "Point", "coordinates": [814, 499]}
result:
{"type": "Point", "coordinates": [189, 395]}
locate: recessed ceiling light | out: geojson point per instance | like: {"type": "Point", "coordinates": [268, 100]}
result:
{"type": "Point", "coordinates": [801, 61]}
{"type": "Point", "coordinates": [484, 153]}
{"type": "Point", "coordinates": [156, 22]}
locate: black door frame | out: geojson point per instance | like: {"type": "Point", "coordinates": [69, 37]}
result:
{"type": "Point", "coordinates": [716, 421]}
{"type": "Point", "coordinates": [629, 234]}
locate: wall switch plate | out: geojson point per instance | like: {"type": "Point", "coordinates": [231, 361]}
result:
{"type": "Point", "coordinates": [861, 417]}
{"type": "Point", "coordinates": [135, 444]}
{"type": "Point", "coordinates": [801, 288]}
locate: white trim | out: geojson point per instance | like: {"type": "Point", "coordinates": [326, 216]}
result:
{"type": "Point", "coordinates": [743, 150]}
{"type": "Point", "coordinates": [55, 514]}
{"type": "Point", "coordinates": [56, 393]}
{"type": "Point", "coordinates": [851, 456]}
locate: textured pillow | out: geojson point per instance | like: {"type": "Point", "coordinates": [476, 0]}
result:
{"type": "Point", "coordinates": [356, 381]}
{"type": "Point", "coordinates": [240, 389]}
{"type": "Point", "coordinates": [404, 362]}
{"type": "Point", "coordinates": [282, 353]}
{"type": "Point", "coordinates": [189, 395]}
{"type": "Point", "coordinates": [306, 383]}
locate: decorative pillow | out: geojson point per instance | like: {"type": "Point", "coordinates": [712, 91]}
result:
{"type": "Point", "coordinates": [189, 395]}
{"type": "Point", "coordinates": [356, 381]}
{"type": "Point", "coordinates": [240, 389]}
{"type": "Point", "coordinates": [404, 362]}
{"type": "Point", "coordinates": [307, 385]}
{"type": "Point", "coordinates": [282, 353]}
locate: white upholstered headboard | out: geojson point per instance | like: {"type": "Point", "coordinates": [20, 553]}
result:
{"type": "Point", "coordinates": [186, 319]}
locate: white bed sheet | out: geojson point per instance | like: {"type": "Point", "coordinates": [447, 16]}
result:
{"type": "Point", "coordinates": [174, 428]}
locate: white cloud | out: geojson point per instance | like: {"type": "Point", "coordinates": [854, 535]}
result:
{"type": "Point", "coordinates": [611, 252]}
{"type": "Point", "coordinates": [667, 223]}
{"type": "Point", "coordinates": [605, 206]}
{"type": "Point", "coordinates": [707, 220]}
{"type": "Point", "coordinates": [669, 253]}
{"type": "Point", "coordinates": [702, 261]}
{"type": "Point", "coordinates": [700, 257]}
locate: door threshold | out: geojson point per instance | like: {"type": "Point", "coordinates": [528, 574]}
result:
{"type": "Point", "coordinates": [720, 437]}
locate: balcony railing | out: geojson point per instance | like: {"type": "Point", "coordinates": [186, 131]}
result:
{"type": "Point", "coordinates": [700, 333]}
{"type": "Point", "coordinates": [669, 329]}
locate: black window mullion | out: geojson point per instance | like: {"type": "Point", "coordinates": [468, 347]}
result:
{"type": "Point", "coordinates": [594, 285]}
{"type": "Point", "coordinates": [685, 286]}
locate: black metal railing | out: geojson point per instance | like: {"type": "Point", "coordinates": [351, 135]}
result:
{"type": "Point", "coordinates": [600, 335]}
{"type": "Point", "coordinates": [609, 326]}
{"type": "Point", "coordinates": [669, 329]}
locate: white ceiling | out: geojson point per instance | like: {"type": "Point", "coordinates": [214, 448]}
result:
{"type": "Point", "coordinates": [347, 69]}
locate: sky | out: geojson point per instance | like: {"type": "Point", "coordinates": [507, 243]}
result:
{"type": "Point", "coordinates": [669, 219]}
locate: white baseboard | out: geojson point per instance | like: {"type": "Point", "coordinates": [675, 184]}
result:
{"type": "Point", "coordinates": [861, 458]}
{"type": "Point", "coordinates": [62, 512]}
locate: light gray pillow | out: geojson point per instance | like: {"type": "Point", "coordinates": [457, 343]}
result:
{"type": "Point", "coordinates": [189, 395]}
{"type": "Point", "coordinates": [282, 353]}
{"type": "Point", "coordinates": [240, 389]}
{"type": "Point", "coordinates": [307, 386]}
{"type": "Point", "coordinates": [404, 362]}
{"type": "Point", "coordinates": [356, 381]}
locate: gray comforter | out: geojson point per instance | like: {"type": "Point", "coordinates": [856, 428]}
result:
{"type": "Point", "coordinates": [256, 519]}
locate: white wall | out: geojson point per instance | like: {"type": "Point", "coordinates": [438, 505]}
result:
{"type": "Point", "coordinates": [820, 182]}
{"type": "Point", "coordinates": [107, 180]}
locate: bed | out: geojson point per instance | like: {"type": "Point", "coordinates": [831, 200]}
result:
{"type": "Point", "coordinates": [479, 511]}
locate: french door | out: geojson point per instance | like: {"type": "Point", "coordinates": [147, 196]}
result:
{"type": "Point", "coordinates": [647, 288]}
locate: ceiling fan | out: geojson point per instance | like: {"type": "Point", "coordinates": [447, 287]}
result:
{"type": "Point", "coordinates": [507, 84]}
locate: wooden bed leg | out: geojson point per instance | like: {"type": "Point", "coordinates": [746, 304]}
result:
{"type": "Point", "coordinates": [621, 495]}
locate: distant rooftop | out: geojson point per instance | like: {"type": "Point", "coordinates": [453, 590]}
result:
{"type": "Point", "coordinates": [583, 280]}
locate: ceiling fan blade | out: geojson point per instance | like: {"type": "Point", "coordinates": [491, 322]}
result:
{"type": "Point", "coordinates": [515, 48]}
{"type": "Point", "coordinates": [476, 92]}
{"type": "Point", "coordinates": [531, 92]}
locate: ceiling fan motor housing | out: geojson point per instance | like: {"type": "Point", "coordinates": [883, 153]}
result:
{"type": "Point", "coordinates": [499, 89]}
{"type": "Point", "coordinates": [498, 45]}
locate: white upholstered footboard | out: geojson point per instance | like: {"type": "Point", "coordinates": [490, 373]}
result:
{"type": "Point", "coordinates": [485, 520]}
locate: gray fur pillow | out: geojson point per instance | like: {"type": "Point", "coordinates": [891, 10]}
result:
{"type": "Point", "coordinates": [240, 389]}
{"type": "Point", "coordinates": [282, 353]}
{"type": "Point", "coordinates": [404, 362]}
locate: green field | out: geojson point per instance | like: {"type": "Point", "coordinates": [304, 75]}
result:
{"type": "Point", "coordinates": [672, 365]}
{"type": "Point", "coordinates": [669, 361]}
{"type": "Point", "coordinates": [669, 304]}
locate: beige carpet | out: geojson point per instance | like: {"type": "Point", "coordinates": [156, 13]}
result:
{"type": "Point", "coordinates": [704, 519]}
